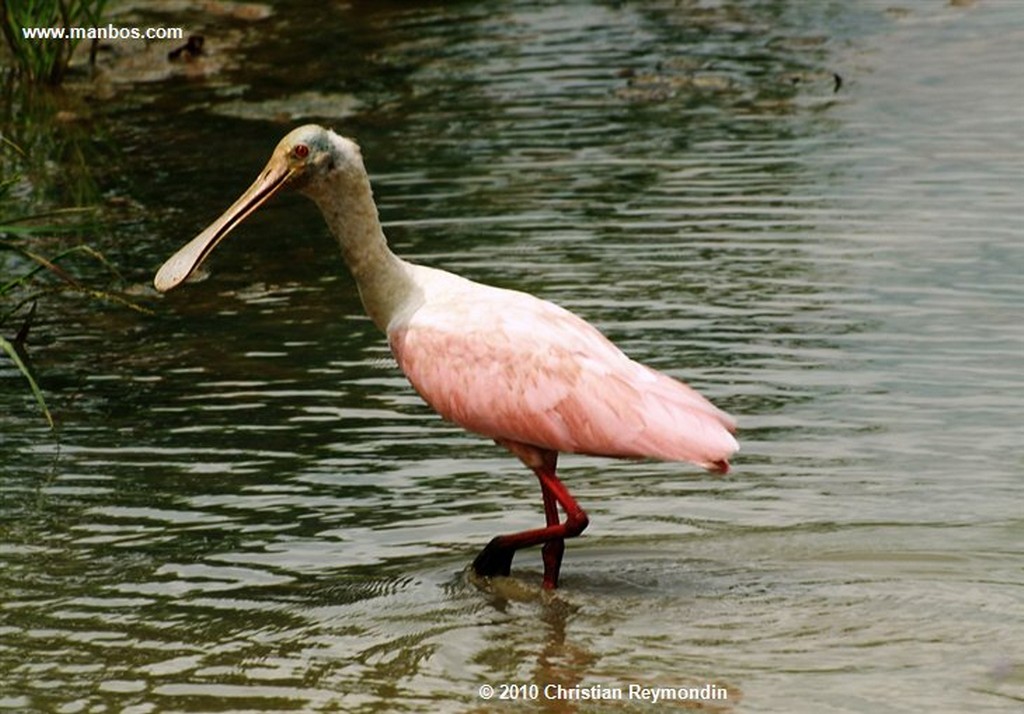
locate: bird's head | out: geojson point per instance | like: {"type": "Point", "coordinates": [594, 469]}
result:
{"type": "Point", "coordinates": [306, 159]}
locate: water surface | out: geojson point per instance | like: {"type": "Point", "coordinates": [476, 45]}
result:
{"type": "Point", "coordinates": [246, 508]}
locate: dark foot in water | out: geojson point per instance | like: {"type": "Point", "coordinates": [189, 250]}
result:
{"type": "Point", "coordinates": [494, 559]}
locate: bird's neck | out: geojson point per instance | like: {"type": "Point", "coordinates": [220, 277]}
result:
{"type": "Point", "coordinates": [384, 280]}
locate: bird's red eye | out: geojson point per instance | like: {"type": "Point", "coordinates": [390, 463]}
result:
{"type": "Point", "coordinates": [301, 151]}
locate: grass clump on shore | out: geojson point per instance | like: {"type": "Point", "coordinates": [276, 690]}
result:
{"type": "Point", "coordinates": [45, 60]}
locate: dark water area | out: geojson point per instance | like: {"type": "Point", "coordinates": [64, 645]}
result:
{"type": "Point", "coordinates": [809, 211]}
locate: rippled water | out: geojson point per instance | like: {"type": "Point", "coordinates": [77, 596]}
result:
{"type": "Point", "coordinates": [246, 508]}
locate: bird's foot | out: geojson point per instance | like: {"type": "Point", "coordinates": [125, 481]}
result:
{"type": "Point", "coordinates": [494, 559]}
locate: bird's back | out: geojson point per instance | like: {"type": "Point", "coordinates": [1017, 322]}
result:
{"type": "Point", "coordinates": [513, 367]}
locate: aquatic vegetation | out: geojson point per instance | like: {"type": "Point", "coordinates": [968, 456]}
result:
{"type": "Point", "coordinates": [45, 60]}
{"type": "Point", "coordinates": [36, 247]}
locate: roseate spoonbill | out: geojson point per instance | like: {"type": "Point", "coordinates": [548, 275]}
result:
{"type": "Point", "coordinates": [522, 371]}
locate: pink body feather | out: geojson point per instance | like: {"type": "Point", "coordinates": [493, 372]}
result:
{"type": "Point", "coordinates": [516, 368]}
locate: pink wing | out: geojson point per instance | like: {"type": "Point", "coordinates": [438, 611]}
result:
{"type": "Point", "coordinates": [511, 366]}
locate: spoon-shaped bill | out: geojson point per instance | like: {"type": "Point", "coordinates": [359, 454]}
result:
{"type": "Point", "coordinates": [180, 265]}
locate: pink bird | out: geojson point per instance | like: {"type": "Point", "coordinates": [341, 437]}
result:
{"type": "Point", "coordinates": [522, 371]}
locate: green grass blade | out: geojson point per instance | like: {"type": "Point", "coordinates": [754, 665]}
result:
{"type": "Point", "coordinates": [14, 353]}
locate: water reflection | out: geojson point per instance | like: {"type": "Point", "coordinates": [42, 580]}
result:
{"type": "Point", "coordinates": [247, 507]}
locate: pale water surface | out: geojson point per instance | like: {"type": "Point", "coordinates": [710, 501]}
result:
{"type": "Point", "coordinates": [246, 508]}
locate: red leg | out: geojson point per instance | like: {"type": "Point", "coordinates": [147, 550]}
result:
{"type": "Point", "coordinates": [496, 558]}
{"type": "Point", "coordinates": [550, 505]}
{"type": "Point", "coordinates": [552, 551]}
